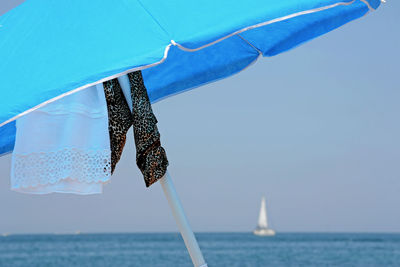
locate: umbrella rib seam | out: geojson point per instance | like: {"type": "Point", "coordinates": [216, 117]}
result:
{"type": "Point", "coordinates": [154, 19]}
{"type": "Point", "coordinates": [250, 44]}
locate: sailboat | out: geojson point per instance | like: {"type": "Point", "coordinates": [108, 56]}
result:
{"type": "Point", "coordinates": [262, 226]}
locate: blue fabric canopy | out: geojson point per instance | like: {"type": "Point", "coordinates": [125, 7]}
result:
{"type": "Point", "coordinates": [52, 48]}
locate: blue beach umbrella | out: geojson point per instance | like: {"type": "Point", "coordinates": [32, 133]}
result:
{"type": "Point", "coordinates": [50, 49]}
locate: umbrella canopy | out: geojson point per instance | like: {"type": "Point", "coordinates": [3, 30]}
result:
{"type": "Point", "coordinates": [52, 49]}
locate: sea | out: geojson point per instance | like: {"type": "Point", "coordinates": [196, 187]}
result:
{"type": "Point", "coordinates": [220, 249]}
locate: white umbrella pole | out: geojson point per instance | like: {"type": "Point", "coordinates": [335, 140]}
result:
{"type": "Point", "coordinates": [182, 222]}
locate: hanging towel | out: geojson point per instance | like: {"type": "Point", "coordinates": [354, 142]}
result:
{"type": "Point", "coordinates": [64, 146]}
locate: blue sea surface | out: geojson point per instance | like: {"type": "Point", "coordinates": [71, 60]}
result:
{"type": "Point", "coordinates": [220, 249]}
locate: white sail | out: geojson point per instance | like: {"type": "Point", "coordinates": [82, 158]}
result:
{"type": "Point", "coordinates": [262, 218]}
{"type": "Point", "coordinates": [262, 226]}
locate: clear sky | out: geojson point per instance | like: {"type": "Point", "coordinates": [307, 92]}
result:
{"type": "Point", "coordinates": [316, 130]}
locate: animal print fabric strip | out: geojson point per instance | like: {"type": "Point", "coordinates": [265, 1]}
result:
{"type": "Point", "coordinates": [150, 155]}
{"type": "Point", "coordinates": [119, 119]}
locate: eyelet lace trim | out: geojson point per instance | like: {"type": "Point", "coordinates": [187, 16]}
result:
{"type": "Point", "coordinates": [44, 168]}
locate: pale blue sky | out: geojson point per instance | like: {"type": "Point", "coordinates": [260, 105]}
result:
{"type": "Point", "coordinates": [315, 129]}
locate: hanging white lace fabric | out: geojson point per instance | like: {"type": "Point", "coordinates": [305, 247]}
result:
{"type": "Point", "coordinates": [64, 146]}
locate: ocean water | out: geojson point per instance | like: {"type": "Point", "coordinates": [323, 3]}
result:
{"type": "Point", "coordinates": [220, 249]}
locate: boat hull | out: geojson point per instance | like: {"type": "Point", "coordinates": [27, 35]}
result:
{"type": "Point", "coordinates": [264, 232]}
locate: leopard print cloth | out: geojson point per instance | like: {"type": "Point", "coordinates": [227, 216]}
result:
{"type": "Point", "coordinates": [119, 119]}
{"type": "Point", "coordinates": [150, 155]}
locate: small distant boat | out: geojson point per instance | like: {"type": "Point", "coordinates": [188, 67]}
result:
{"type": "Point", "coordinates": [262, 227]}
